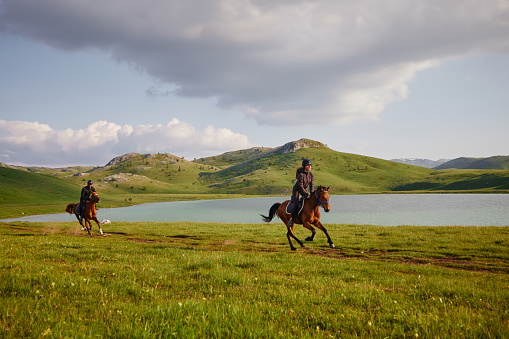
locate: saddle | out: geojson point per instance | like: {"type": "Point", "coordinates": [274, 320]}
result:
{"type": "Point", "coordinates": [289, 207]}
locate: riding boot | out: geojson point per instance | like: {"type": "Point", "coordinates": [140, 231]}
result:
{"type": "Point", "coordinates": [82, 210]}
{"type": "Point", "coordinates": [295, 209]}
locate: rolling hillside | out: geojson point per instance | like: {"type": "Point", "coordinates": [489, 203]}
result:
{"type": "Point", "coordinates": [228, 159]}
{"type": "Point", "coordinates": [461, 181]}
{"type": "Point", "coordinates": [493, 163]}
{"type": "Point", "coordinates": [273, 172]}
{"type": "Point", "coordinates": [26, 187]}
{"type": "Point", "coordinates": [21, 190]}
{"type": "Point", "coordinates": [252, 171]}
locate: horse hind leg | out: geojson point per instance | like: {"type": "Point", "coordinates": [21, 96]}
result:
{"type": "Point", "coordinates": [80, 222]}
{"type": "Point", "coordinates": [87, 227]}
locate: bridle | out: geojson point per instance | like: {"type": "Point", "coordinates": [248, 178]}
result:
{"type": "Point", "coordinates": [95, 197]}
{"type": "Point", "coordinates": [320, 202]}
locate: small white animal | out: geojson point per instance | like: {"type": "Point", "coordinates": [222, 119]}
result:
{"type": "Point", "coordinates": [105, 221]}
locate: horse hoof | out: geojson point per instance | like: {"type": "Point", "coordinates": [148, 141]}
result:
{"type": "Point", "coordinates": [294, 249]}
{"type": "Point", "coordinates": [309, 239]}
{"type": "Point", "coordinates": [332, 246]}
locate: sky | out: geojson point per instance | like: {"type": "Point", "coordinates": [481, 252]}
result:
{"type": "Point", "coordinates": [82, 82]}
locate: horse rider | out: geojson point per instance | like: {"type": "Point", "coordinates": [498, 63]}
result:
{"type": "Point", "coordinates": [85, 196]}
{"type": "Point", "coordinates": [304, 179]}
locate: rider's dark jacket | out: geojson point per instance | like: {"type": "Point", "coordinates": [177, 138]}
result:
{"type": "Point", "coordinates": [86, 192]}
{"type": "Point", "coordinates": [304, 179]}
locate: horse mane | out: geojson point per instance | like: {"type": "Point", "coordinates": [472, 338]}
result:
{"type": "Point", "coordinates": [319, 188]}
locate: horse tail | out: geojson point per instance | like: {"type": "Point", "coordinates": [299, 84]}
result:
{"type": "Point", "coordinates": [70, 208]}
{"type": "Point", "coordinates": [272, 212]}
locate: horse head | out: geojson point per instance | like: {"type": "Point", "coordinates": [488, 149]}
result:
{"type": "Point", "coordinates": [95, 197]}
{"type": "Point", "coordinates": [322, 197]}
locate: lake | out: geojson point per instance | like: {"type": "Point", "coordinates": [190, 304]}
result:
{"type": "Point", "coordinates": [377, 209]}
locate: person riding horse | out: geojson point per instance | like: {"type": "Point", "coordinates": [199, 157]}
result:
{"type": "Point", "coordinates": [85, 197]}
{"type": "Point", "coordinates": [304, 179]}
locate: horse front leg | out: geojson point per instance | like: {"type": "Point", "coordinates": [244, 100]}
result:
{"type": "Point", "coordinates": [329, 240]}
{"type": "Point", "coordinates": [291, 235]}
{"type": "Point", "coordinates": [99, 225]}
{"type": "Point", "coordinates": [313, 231]}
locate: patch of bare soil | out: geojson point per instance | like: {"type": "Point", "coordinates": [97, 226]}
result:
{"type": "Point", "coordinates": [449, 262]}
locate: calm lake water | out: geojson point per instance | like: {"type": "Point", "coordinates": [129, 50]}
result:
{"type": "Point", "coordinates": [379, 209]}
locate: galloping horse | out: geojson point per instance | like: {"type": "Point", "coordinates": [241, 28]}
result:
{"type": "Point", "coordinates": [310, 215]}
{"type": "Point", "coordinates": [90, 213]}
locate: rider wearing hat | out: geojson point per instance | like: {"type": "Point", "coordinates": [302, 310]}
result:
{"type": "Point", "coordinates": [85, 196]}
{"type": "Point", "coordinates": [304, 179]}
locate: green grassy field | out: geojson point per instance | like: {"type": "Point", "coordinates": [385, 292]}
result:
{"type": "Point", "coordinates": [209, 280]}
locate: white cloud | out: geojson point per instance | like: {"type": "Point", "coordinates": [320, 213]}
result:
{"type": "Point", "coordinates": [299, 61]}
{"type": "Point", "coordinates": [34, 143]}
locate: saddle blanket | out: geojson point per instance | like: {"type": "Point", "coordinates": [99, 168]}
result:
{"type": "Point", "coordinates": [289, 207]}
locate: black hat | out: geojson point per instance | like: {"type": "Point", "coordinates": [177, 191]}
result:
{"type": "Point", "coordinates": [306, 162]}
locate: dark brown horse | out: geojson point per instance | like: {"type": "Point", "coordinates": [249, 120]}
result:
{"type": "Point", "coordinates": [309, 217]}
{"type": "Point", "coordinates": [90, 213]}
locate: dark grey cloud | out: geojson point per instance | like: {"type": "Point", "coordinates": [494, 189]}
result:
{"type": "Point", "coordinates": [334, 60]}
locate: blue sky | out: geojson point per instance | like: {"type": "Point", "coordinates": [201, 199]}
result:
{"type": "Point", "coordinates": [82, 83]}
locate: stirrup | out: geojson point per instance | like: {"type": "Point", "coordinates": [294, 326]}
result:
{"type": "Point", "coordinates": [290, 223]}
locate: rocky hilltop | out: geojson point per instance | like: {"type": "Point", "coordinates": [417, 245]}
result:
{"type": "Point", "coordinates": [293, 146]}
{"type": "Point", "coordinates": [122, 158]}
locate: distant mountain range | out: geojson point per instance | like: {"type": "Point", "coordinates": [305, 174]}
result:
{"type": "Point", "coordinates": [422, 162]}
{"type": "Point", "coordinates": [491, 163]}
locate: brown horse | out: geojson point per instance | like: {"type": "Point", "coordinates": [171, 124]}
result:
{"type": "Point", "coordinates": [90, 213]}
{"type": "Point", "coordinates": [309, 216]}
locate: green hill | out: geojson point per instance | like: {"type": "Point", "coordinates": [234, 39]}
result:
{"type": "Point", "coordinates": [233, 158]}
{"type": "Point", "coordinates": [135, 173]}
{"type": "Point", "coordinates": [21, 190]}
{"type": "Point", "coordinates": [494, 163]}
{"type": "Point", "coordinates": [273, 172]}
{"type": "Point", "coordinates": [26, 187]}
{"type": "Point", "coordinates": [466, 180]}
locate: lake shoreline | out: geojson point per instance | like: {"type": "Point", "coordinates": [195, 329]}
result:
{"type": "Point", "coordinates": [376, 209]}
